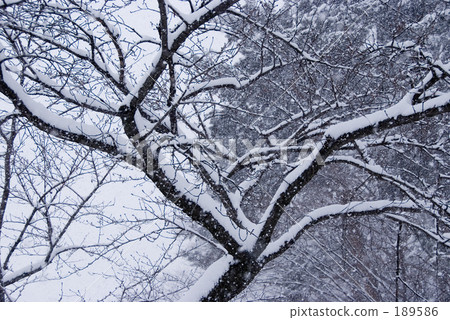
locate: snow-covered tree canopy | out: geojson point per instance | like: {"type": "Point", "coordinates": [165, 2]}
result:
{"type": "Point", "coordinates": [221, 102]}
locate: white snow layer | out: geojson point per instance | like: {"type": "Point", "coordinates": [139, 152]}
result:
{"type": "Point", "coordinates": [208, 280]}
{"type": "Point", "coordinates": [352, 207]}
{"type": "Point", "coordinates": [62, 123]}
{"type": "Point", "coordinates": [403, 108]}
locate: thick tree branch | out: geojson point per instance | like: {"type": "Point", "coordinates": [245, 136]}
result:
{"type": "Point", "coordinates": [334, 138]}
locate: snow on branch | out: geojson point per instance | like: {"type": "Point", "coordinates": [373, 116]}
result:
{"type": "Point", "coordinates": [208, 280]}
{"type": "Point", "coordinates": [57, 125]}
{"type": "Point", "coordinates": [24, 272]}
{"type": "Point", "coordinates": [409, 189]}
{"type": "Point", "coordinates": [193, 189]}
{"type": "Point", "coordinates": [197, 15]}
{"type": "Point", "coordinates": [353, 208]}
{"type": "Point", "coordinates": [403, 109]}
{"type": "Point", "coordinates": [437, 237]}
{"type": "Point", "coordinates": [228, 82]}
{"type": "Point", "coordinates": [68, 95]}
{"type": "Point", "coordinates": [7, 3]}
{"type": "Point", "coordinates": [99, 64]}
{"type": "Point", "coordinates": [338, 135]}
{"type": "Point", "coordinates": [173, 42]}
{"type": "Point", "coordinates": [278, 35]}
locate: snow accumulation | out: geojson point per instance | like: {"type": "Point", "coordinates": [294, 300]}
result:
{"type": "Point", "coordinates": [229, 81]}
{"type": "Point", "coordinates": [62, 123]}
{"type": "Point", "coordinates": [193, 190]}
{"type": "Point", "coordinates": [143, 80]}
{"type": "Point", "coordinates": [71, 94]}
{"type": "Point", "coordinates": [24, 270]}
{"type": "Point", "coordinates": [196, 15]}
{"type": "Point", "coordinates": [288, 180]}
{"type": "Point", "coordinates": [33, 266]}
{"type": "Point", "coordinates": [208, 280]}
{"type": "Point", "coordinates": [9, 2]}
{"type": "Point", "coordinates": [403, 108]}
{"type": "Point", "coordinates": [352, 207]}
{"type": "Point", "coordinates": [115, 30]}
{"type": "Point", "coordinates": [55, 4]}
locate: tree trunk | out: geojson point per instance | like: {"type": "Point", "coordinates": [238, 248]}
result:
{"type": "Point", "coordinates": [237, 278]}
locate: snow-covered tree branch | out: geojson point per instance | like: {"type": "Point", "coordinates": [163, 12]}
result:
{"type": "Point", "coordinates": [236, 111]}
